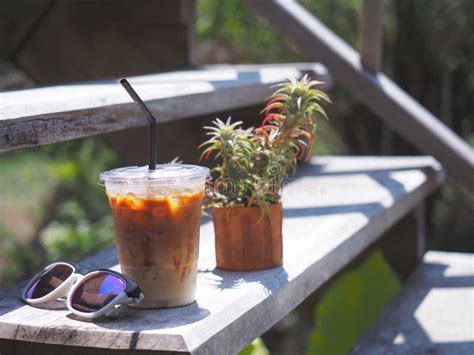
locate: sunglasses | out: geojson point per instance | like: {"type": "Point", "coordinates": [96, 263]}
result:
{"type": "Point", "coordinates": [90, 296]}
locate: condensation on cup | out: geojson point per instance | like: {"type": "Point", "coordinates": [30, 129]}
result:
{"type": "Point", "coordinates": [156, 215]}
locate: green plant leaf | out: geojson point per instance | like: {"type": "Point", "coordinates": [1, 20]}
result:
{"type": "Point", "coordinates": [255, 162]}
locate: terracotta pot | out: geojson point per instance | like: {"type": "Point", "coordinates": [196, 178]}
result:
{"type": "Point", "coordinates": [246, 240]}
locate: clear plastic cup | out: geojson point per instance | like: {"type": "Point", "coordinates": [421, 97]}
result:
{"type": "Point", "coordinates": [157, 218]}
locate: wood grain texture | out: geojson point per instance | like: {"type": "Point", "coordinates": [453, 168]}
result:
{"type": "Point", "coordinates": [380, 94]}
{"type": "Point", "coordinates": [336, 208]}
{"type": "Point", "coordinates": [246, 239]}
{"type": "Point", "coordinates": [53, 114]}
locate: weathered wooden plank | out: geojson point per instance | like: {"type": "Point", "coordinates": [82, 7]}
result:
{"type": "Point", "coordinates": [380, 94]}
{"type": "Point", "coordinates": [371, 35]}
{"type": "Point", "coordinates": [53, 114]}
{"type": "Point", "coordinates": [433, 314]}
{"type": "Point", "coordinates": [335, 210]}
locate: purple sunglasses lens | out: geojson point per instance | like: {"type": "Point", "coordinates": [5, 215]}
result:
{"type": "Point", "coordinates": [49, 281]}
{"type": "Point", "coordinates": [96, 291]}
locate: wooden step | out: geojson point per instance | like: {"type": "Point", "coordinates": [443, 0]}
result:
{"type": "Point", "coordinates": [335, 210]}
{"type": "Point", "coordinates": [434, 313]}
{"type": "Point", "coordinates": [53, 114]}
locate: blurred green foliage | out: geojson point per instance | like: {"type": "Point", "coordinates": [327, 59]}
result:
{"type": "Point", "coordinates": [351, 304]}
{"type": "Point", "coordinates": [17, 259]}
{"type": "Point", "coordinates": [74, 240]}
{"type": "Point", "coordinates": [341, 16]}
{"type": "Point", "coordinates": [33, 176]}
{"type": "Point", "coordinates": [232, 33]}
{"type": "Point", "coordinates": [451, 219]}
{"type": "Point", "coordinates": [256, 347]}
{"type": "Point", "coordinates": [56, 193]}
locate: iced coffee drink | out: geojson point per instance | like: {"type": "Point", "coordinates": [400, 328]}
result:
{"type": "Point", "coordinates": [157, 217]}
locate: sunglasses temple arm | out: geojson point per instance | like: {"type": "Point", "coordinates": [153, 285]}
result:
{"type": "Point", "coordinates": [139, 299]}
{"type": "Point", "coordinates": [123, 299]}
{"type": "Point", "coordinates": [113, 312]}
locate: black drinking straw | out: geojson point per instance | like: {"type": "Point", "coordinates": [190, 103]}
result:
{"type": "Point", "coordinates": [151, 120]}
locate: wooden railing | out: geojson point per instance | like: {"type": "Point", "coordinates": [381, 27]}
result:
{"type": "Point", "coordinates": [380, 94]}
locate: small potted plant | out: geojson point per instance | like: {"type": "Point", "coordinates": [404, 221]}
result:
{"type": "Point", "coordinates": [253, 164]}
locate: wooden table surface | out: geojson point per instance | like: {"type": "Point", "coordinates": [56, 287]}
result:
{"type": "Point", "coordinates": [335, 209]}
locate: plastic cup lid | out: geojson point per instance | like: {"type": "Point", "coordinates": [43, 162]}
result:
{"type": "Point", "coordinates": [164, 174]}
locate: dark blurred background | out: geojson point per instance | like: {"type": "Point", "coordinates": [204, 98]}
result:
{"type": "Point", "coordinates": [50, 204]}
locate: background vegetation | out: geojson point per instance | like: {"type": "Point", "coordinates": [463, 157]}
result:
{"type": "Point", "coordinates": [52, 208]}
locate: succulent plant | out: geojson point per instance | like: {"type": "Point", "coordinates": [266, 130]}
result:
{"type": "Point", "coordinates": [255, 162]}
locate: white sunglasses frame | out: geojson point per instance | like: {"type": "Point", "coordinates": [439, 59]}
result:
{"type": "Point", "coordinates": [127, 296]}
{"type": "Point", "coordinates": [59, 292]}
{"type": "Point", "coordinates": [131, 293]}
